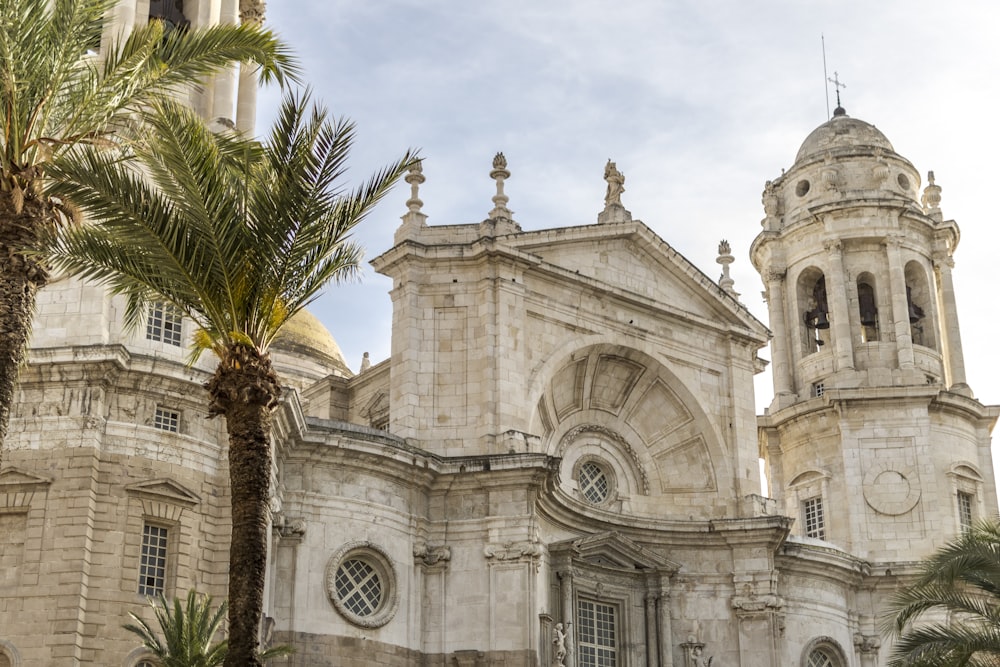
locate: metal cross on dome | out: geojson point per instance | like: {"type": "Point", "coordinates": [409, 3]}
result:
{"type": "Point", "coordinates": [835, 80]}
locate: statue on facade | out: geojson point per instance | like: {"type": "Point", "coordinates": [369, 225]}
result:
{"type": "Point", "coordinates": [559, 641]}
{"type": "Point", "coordinates": [616, 184]}
{"type": "Point", "coordinates": [698, 658]}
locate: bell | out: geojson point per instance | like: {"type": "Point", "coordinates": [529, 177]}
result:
{"type": "Point", "coordinates": [915, 312]}
{"type": "Point", "coordinates": [821, 321]}
{"type": "Point", "coordinates": [869, 318]}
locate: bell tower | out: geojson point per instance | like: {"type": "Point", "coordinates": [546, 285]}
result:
{"type": "Point", "coordinates": [873, 441]}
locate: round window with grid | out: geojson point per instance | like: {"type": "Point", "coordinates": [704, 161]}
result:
{"type": "Point", "coordinates": [361, 584]}
{"type": "Point", "coordinates": [594, 482]}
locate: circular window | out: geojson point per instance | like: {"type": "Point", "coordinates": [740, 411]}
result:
{"type": "Point", "coordinates": [801, 188]}
{"type": "Point", "coordinates": [903, 181]}
{"type": "Point", "coordinates": [361, 584]}
{"type": "Point", "coordinates": [594, 482]}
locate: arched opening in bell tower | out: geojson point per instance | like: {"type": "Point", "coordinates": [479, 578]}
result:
{"type": "Point", "coordinates": [813, 309]}
{"type": "Point", "coordinates": [918, 305]}
{"type": "Point", "coordinates": [868, 308]}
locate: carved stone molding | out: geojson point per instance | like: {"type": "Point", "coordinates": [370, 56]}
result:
{"type": "Point", "coordinates": [867, 644]}
{"type": "Point", "coordinates": [432, 556]}
{"type": "Point", "coordinates": [513, 551]}
{"type": "Point", "coordinates": [290, 527]}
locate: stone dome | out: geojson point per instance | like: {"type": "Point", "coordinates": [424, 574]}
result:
{"type": "Point", "coordinates": [305, 336]}
{"type": "Point", "coordinates": [842, 131]}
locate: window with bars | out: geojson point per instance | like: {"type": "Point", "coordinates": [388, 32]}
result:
{"type": "Point", "coordinates": [819, 389]}
{"type": "Point", "coordinates": [964, 510]}
{"type": "Point", "coordinates": [596, 634]}
{"type": "Point", "coordinates": [167, 420]}
{"type": "Point", "coordinates": [812, 510]}
{"type": "Point", "coordinates": [163, 323]}
{"type": "Point", "coordinates": [153, 560]}
{"type": "Point", "coordinates": [820, 658]}
{"type": "Point", "coordinates": [359, 587]}
{"type": "Point", "coordinates": [594, 484]}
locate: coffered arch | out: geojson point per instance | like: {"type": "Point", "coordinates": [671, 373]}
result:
{"type": "Point", "coordinates": [634, 419]}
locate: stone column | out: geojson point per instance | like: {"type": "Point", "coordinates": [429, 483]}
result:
{"type": "Point", "coordinates": [840, 313]}
{"type": "Point", "coordinates": [943, 265]}
{"type": "Point", "coordinates": [224, 87]}
{"type": "Point", "coordinates": [251, 11]}
{"type": "Point", "coordinates": [900, 310]}
{"type": "Point", "coordinates": [652, 645]}
{"type": "Point", "coordinates": [663, 623]}
{"type": "Point", "coordinates": [781, 362]}
{"type": "Point", "coordinates": [566, 588]}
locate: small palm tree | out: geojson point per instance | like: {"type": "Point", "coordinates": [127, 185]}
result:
{"type": "Point", "coordinates": [56, 92]}
{"type": "Point", "coordinates": [189, 633]}
{"type": "Point", "coordinates": [962, 582]}
{"type": "Point", "coordinates": [239, 236]}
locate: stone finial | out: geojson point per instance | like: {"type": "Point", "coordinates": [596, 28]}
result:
{"type": "Point", "coordinates": [931, 199]}
{"type": "Point", "coordinates": [413, 220]}
{"type": "Point", "coordinates": [726, 258]}
{"type": "Point", "coordinates": [500, 174]}
{"type": "Point", "coordinates": [252, 11]}
{"type": "Point", "coordinates": [613, 209]}
{"type": "Point", "coordinates": [415, 176]}
{"type": "Point", "coordinates": [366, 362]}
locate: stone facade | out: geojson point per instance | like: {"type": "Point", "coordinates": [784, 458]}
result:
{"type": "Point", "coordinates": [559, 463]}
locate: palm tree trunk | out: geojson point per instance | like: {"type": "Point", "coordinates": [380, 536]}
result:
{"type": "Point", "coordinates": [245, 389]}
{"type": "Point", "coordinates": [20, 279]}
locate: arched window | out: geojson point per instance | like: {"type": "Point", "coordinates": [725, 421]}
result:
{"type": "Point", "coordinates": [919, 306]}
{"type": "Point", "coordinates": [868, 308]}
{"type": "Point", "coordinates": [823, 652]}
{"type": "Point", "coordinates": [815, 312]}
{"type": "Point", "coordinates": [171, 12]}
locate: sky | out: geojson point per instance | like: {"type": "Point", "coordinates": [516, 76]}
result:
{"type": "Point", "coordinates": [699, 102]}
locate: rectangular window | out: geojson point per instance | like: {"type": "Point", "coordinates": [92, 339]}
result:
{"type": "Point", "coordinates": [163, 323]}
{"type": "Point", "coordinates": [153, 560]}
{"type": "Point", "coordinates": [167, 420]}
{"type": "Point", "coordinates": [812, 510]}
{"type": "Point", "coordinates": [819, 389]}
{"type": "Point", "coordinates": [965, 510]}
{"type": "Point", "coordinates": [596, 638]}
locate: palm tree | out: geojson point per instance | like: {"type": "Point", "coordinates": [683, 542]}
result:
{"type": "Point", "coordinates": [239, 236]}
{"type": "Point", "coordinates": [57, 93]}
{"type": "Point", "coordinates": [189, 632]}
{"type": "Point", "coordinates": [961, 584]}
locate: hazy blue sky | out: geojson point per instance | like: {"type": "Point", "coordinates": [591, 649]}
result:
{"type": "Point", "coordinates": [699, 102]}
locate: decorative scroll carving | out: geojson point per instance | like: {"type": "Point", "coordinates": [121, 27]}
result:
{"type": "Point", "coordinates": [429, 556]}
{"type": "Point", "coordinates": [513, 551]}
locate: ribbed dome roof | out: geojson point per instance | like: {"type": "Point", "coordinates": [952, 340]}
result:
{"type": "Point", "coordinates": [306, 335]}
{"type": "Point", "coordinates": [842, 131]}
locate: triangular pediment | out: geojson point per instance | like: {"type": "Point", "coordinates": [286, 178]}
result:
{"type": "Point", "coordinates": [631, 260]}
{"type": "Point", "coordinates": [16, 477]}
{"type": "Point", "coordinates": [164, 489]}
{"type": "Point", "coordinates": [612, 549]}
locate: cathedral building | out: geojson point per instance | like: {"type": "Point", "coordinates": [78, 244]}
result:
{"type": "Point", "coordinates": [559, 463]}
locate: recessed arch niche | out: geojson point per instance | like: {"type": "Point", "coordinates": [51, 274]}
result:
{"type": "Point", "coordinates": [626, 410]}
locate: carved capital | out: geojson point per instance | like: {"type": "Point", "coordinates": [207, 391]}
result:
{"type": "Point", "coordinates": [867, 644]}
{"type": "Point", "coordinates": [252, 11]}
{"type": "Point", "coordinates": [290, 527]}
{"type": "Point", "coordinates": [430, 556]}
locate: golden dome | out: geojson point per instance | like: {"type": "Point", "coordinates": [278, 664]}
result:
{"type": "Point", "coordinates": [304, 335]}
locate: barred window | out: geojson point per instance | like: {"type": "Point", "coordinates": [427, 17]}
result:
{"type": "Point", "coordinates": [167, 420]}
{"type": "Point", "coordinates": [361, 583]}
{"type": "Point", "coordinates": [153, 560]}
{"type": "Point", "coordinates": [964, 510]}
{"type": "Point", "coordinates": [594, 483]}
{"type": "Point", "coordinates": [359, 587]}
{"type": "Point", "coordinates": [597, 641]}
{"type": "Point", "coordinates": [820, 658]}
{"type": "Point", "coordinates": [812, 510]}
{"type": "Point", "coordinates": [163, 323]}
{"type": "Point", "coordinates": [819, 389]}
